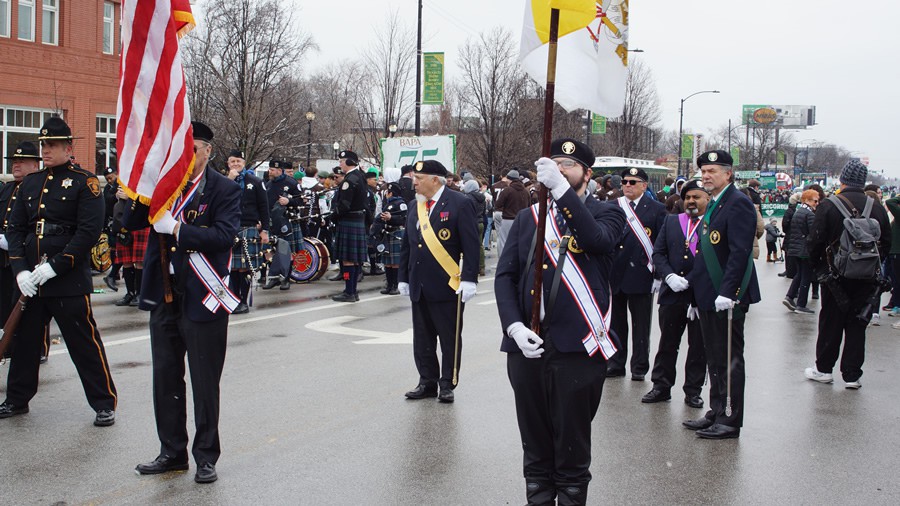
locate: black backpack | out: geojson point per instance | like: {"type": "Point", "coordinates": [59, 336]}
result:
{"type": "Point", "coordinates": [855, 256]}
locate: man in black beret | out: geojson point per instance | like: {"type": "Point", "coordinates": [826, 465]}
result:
{"type": "Point", "coordinates": [407, 191]}
{"type": "Point", "coordinates": [351, 211]}
{"type": "Point", "coordinates": [55, 221]}
{"type": "Point", "coordinates": [724, 282]}
{"type": "Point", "coordinates": [634, 279]}
{"type": "Point", "coordinates": [557, 374]}
{"type": "Point", "coordinates": [673, 257]}
{"type": "Point", "coordinates": [254, 232]}
{"type": "Point", "coordinates": [283, 193]}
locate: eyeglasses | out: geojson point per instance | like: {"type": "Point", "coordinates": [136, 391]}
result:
{"type": "Point", "coordinates": [631, 181]}
{"type": "Point", "coordinates": [566, 163]}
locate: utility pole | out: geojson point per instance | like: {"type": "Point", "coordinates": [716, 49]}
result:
{"type": "Point", "coordinates": [419, 75]}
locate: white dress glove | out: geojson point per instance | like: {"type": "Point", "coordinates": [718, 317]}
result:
{"type": "Point", "coordinates": [677, 283]}
{"type": "Point", "coordinates": [467, 290]}
{"type": "Point", "coordinates": [26, 284]}
{"type": "Point", "coordinates": [165, 224]}
{"type": "Point", "coordinates": [693, 313]}
{"type": "Point", "coordinates": [548, 174]}
{"type": "Point", "coordinates": [4, 244]}
{"type": "Point", "coordinates": [723, 303]}
{"type": "Point", "coordinates": [42, 273]}
{"type": "Point", "coordinates": [403, 288]}
{"type": "Point", "coordinates": [529, 342]}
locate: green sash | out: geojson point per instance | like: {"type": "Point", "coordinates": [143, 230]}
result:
{"type": "Point", "coordinates": [712, 261]}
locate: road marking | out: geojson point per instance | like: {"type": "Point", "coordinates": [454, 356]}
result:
{"type": "Point", "coordinates": [336, 326]}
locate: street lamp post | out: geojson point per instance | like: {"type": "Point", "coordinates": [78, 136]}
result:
{"type": "Point", "coordinates": [310, 116]}
{"type": "Point", "coordinates": [392, 129]}
{"type": "Point", "coordinates": [336, 147]}
{"type": "Point", "coordinates": [681, 122]}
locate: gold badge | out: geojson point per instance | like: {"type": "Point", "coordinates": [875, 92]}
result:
{"type": "Point", "coordinates": [66, 183]}
{"type": "Point", "coordinates": [633, 172]}
{"type": "Point", "coordinates": [568, 147]}
{"type": "Point", "coordinates": [444, 234]}
{"type": "Point", "coordinates": [420, 166]}
{"type": "Point", "coordinates": [713, 157]}
{"type": "Point", "coordinates": [19, 151]}
{"type": "Point", "coordinates": [573, 246]}
{"type": "Point", "coordinates": [44, 132]}
{"type": "Point", "coordinates": [714, 237]}
{"type": "Point", "coordinates": [93, 184]}
{"type": "Point", "coordinates": [649, 232]}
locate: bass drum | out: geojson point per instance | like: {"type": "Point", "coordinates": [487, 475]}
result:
{"type": "Point", "coordinates": [100, 256]}
{"type": "Point", "coordinates": [311, 262]}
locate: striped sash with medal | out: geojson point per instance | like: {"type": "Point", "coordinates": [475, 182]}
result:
{"type": "Point", "coordinates": [638, 228]}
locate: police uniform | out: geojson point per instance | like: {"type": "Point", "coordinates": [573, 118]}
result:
{"type": "Point", "coordinates": [192, 323]}
{"type": "Point", "coordinates": [247, 250]}
{"type": "Point", "coordinates": [350, 210]}
{"type": "Point", "coordinates": [632, 282]}
{"type": "Point", "coordinates": [558, 393]}
{"type": "Point", "coordinates": [281, 227]}
{"type": "Point", "coordinates": [58, 215]}
{"type": "Point", "coordinates": [452, 221]}
{"type": "Point", "coordinates": [726, 245]}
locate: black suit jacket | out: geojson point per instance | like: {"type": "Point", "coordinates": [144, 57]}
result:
{"type": "Point", "coordinates": [630, 274]}
{"type": "Point", "coordinates": [670, 256]}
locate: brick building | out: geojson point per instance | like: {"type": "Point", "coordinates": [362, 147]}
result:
{"type": "Point", "coordinates": [60, 57]}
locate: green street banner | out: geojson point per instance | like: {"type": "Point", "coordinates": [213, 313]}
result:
{"type": "Point", "coordinates": [781, 158]}
{"type": "Point", "coordinates": [773, 210]}
{"type": "Point", "coordinates": [736, 155]}
{"type": "Point", "coordinates": [687, 146]}
{"type": "Point", "coordinates": [433, 87]}
{"type": "Point", "coordinates": [598, 124]}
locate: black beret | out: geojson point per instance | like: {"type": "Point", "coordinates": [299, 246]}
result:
{"type": "Point", "coordinates": [25, 151]}
{"type": "Point", "coordinates": [350, 156]}
{"type": "Point", "coordinates": [288, 165]}
{"type": "Point", "coordinates": [109, 170]}
{"type": "Point", "coordinates": [431, 167]}
{"type": "Point", "coordinates": [635, 172]}
{"type": "Point", "coordinates": [236, 153]}
{"type": "Point", "coordinates": [394, 188]}
{"type": "Point", "coordinates": [406, 169]}
{"type": "Point", "coordinates": [693, 184]}
{"type": "Point", "coordinates": [202, 132]}
{"type": "Point", "coordinates": [717, 157]}
{"type": "Point", "coordinates": [276, 164]}
{"type": "Point", "coordinates": [337, 170]}
{"type": "Point", "coordinates": [55, 129]}
{"type": "Point", "coordinates": [574, 150]}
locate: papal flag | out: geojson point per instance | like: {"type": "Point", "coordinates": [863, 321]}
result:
{"type": "Point", "coordinates": [154, 136]}
{"type": "Point", "coordinates": [592, 55]}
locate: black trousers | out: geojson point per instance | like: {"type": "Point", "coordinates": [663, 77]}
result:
{"type": "Point", "coordinates": [672, 323]}
{"type": "Point", "coordinates": [431, 321]}
{"type": "Point", "coordinates": [714, 326]}
{"type": "Point", "coordinates": [837, 325]}
{"type": "Point", "coordinates": [557, 396]}
{"type": "Point", "coordinates": [800, 284]}
{"type": "Point", "coordinates": [172, 335]}
{"type": "Point", "coordinates": [75, 319]}
{"type": "Point", "coordinates": [641, 306]}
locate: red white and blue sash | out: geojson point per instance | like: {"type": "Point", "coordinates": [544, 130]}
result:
{"type": "Point", "coordinates": [634, 223]}
{"type": "Point", "coordinates": [219, 295]}
{"type": "Point", "coordinates": [597, 320]}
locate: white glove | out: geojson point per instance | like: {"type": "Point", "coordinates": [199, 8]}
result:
{"type": "Point", "coordinates": [42, 273]}
{"type": "Point", "coordinates": [4, 244]}
{"type": "Point", "coordinates": [677, 283]}
{"type": "Point", "coordinates": [165, 224]}
{"type": "Point", "coordinates": [403, 288]}
{"type": "Point", "coordinates": [693, 313]}
{"type": "Point", "coordinates": [723, 303]}
{"type": "Point", "coordinates": [467, 290]}
{"type": "Point", "coordinates": [26, 285]}
{"type": "Point", "coordinates": [548, 174]}
{"type": "Point", "coordinates": [656, 284]}
{"type": "Point", "coordinates": [529, 342]}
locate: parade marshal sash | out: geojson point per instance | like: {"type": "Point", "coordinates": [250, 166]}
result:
{"type": "Point", "coordinates": [690, 230]}
{"type": "Point", "coordinates": [437, 249]}
{"type": "Point", "coordinates": [573, 277]}
{"type": "Point", "coordinates": [219, 295]}
{"type": "Point", "coordinates": [638, 228]}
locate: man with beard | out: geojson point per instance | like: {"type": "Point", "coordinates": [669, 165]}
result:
{"type": "Point", "coordinates": [254, 232]}
{"type": "Point", "coordinates": [673, 257]}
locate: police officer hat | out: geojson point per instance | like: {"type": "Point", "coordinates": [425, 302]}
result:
{"type": "Point", "coordinates": [337, 170]}
{"type": "Point", "coordinates": [55, 129]}
{"type": "Point", "coordinates": [431, 167]}
{"type": "Point", "coordinates": [236, 153]}
{"type": "Point", "coordinates": [717, 157]}
{"type": "Point", "coordinates": [693, 184]}
{"type": "Point", "coordinates": [350, 157]}
{"type": "Point", "coordinates": [635, 172]}
{"type": "Point", "coordinates": [287, 165]}
{"type": "Point", "coordinates": [202, 132]}
{"type": "Point", "coordinates": [394, 188]}
{"type": "Point", "coordinates": [277, 164]}
{"type": "Point", "coordinates": [573, 150]}
{"type": "Point", "coordinates": [25, 151]}
{"type": "Point", "coordinates": [109, 170]}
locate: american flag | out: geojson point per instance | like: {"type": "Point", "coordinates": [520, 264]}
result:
{"type": "Point", "coordinates": [155, 139]}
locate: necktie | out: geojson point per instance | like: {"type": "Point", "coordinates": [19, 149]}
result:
{"type": "Point", "coordinates": [633, 206]}
{"type": "Point", "coordinates": [429, 205]}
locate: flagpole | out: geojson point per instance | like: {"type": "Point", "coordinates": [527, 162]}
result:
{"type": "Point", "coordinates": [542, 191]}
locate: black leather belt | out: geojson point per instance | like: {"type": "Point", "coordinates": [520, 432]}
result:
{"type": "Point", "coordinates": [44, 228]}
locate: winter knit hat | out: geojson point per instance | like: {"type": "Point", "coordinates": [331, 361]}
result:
{"type": "Point", "coordinates": [854, 174]}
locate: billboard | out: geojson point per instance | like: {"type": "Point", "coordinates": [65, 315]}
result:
{"type": "Point", "coordinates": [780, 116]}
{"type": "Point", "coordinates": [400, 151]}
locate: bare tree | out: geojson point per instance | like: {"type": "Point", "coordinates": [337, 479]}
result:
{"type": "Point", "coordinates": [634, 134]}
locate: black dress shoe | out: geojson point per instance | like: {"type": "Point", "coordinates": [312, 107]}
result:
{"type": "Point", "coordinates": [656, 395]}
{"type": "Point", "coordinates": [285, 284]}
{"type": "Point", "coordinates": [126, 300]}
{"type": "Point", "coordinates": [105, 418]}
{"type": "Point", "coordinates": [111, 283]}
{"type": "Point", "coordinates": [135, 301]}
{"type": "Point", "coordinates": [206, 473]}
{"type": "Point", "coordinates": [390, 291]}
{"type": "Point", "coordinates": [698, 424]}
{"type": "Point", "coordinates": [345, 297]}
{"type": "Point", "coordinates": [694, 401]}
{"type": "Point", "coordinates": [7, 410]}
{"type": "Point", "coordinates": [637, 377]}
{"type": "Point", "coordinates": [719, 431]}
{"type": "Point", "coordinates": [241, 308]}
{"type": "Point", "coordinates": [338, 276]}
{"type": "Point", "coordinates": [615, 373]}
{"type": "Point", "coordinates": [422, 392]}
{"type": "Point", "coordinates": [162, 464]}
{"type": "Point", "coordinates": [445, 396]}
{"type": "Point", "coordinates": [272, 283]}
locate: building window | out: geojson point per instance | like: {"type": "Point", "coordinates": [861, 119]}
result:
{"type": "Point", "coordinates": [4, 17]}
{"type": "Point", "coordinates": [26, 20]}
{"type": "Point", "coordinates": [106, 155]}
{"type": "Point", "coordinates": [18, 125]}
{"type": "Point", "coordinates": [109, 38]}
{"type": "Point", "coordinates": [50, 22]}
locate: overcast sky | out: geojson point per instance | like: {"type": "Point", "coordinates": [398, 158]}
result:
{"type": "Point", "coordinates": [839, 56]}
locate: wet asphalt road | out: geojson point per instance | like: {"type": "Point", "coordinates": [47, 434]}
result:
{"type": "Point", "coordinates": [313, 413]}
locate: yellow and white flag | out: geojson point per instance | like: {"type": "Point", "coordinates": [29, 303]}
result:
{"type": "Point", "coordinates": [592, 54]}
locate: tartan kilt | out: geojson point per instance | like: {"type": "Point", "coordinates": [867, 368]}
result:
{"type": "Point", "coordinates": [351, 243]}
{"type": "Point", "coordinates": [296, 237]}
{"type": "Point", "coordinates": [239, 260]}
{"type": "Point", "coordinates": [134, 252]}
{"type": "Point", "coordinates": [393, 245]}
